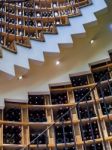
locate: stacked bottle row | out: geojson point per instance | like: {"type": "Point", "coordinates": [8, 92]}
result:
{"type": "Point", "coordinates": [79, 115]}
{"type": "Point", "coordinates": [31, 19]}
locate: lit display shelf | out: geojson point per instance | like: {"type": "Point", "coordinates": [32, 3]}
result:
{"type": "Point", "coordinates": [73, 116]}
{"type": "Point", "coordinates": [22, 21]}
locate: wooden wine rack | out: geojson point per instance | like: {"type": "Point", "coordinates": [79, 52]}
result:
{"type": "Point", "coordinates": [20, 22]}
{"type": "Point", "coordinates": [50, 109]}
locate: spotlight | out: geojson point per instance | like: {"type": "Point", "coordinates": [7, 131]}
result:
{"type": "Point", "coordinates": [57, 62]}
{"type": "Point", "coordinates": [92, 41]}
{"type": "Point", "coordinates": [20, 77]}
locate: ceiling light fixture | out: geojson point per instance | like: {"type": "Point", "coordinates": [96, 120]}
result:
{"type": "Point", "coordinates": [57, 62]}
{"type": "Point", "coordinates": [20, 77]}
{"type": "Point", "coordinates": [92, 41]}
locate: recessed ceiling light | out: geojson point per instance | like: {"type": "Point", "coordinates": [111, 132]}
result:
{"type": "Point", "coordinates": [92, 41]}
{"type": "Point", "coordinates": [57, 62]}
{"type": "Point", "coordinates": [20, 77]}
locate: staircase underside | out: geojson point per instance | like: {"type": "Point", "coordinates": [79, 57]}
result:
{"type": "Point", "coordinates": [51, 44]}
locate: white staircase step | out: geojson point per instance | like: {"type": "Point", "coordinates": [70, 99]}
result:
{"type": "Point", "coordinates": [44, 47]}
{"type": "Point", "coordinates": [34, 53]}
{"type": "Point", "coordinates": [5, 63]}
{"type": "Point", "coordinates": [52, 42]}
{"type": "Point", "coordinates": [20, 59]}
{"type": "Point", "coordinates": [76, 24]}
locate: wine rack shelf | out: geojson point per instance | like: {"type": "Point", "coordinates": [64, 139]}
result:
{"type": "Point", "coordinates": [20, 22]}
{"type": "Point", "coordinates": [86, 125]}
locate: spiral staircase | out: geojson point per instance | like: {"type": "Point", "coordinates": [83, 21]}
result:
{"type": "Point", "coordinates": [36, 50]}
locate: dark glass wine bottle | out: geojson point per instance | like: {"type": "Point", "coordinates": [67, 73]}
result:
{"type": "Point", "coordinates": [59, 98]}
{"type": "Point", "coordinates": [12, 114]}
{"type": "Point", "coordinates": [41, 139]}
{"type": "Point", "coordinates": [90, 131]}
{"type": "Point", "coordinates": [96, 146]}
{"type": "Point", "coordinates": [79, 80]}
{"type": "Point", "coordinates": [80, 94]}
{"type": "Point", "coordinates": [37, 116]}
{"type": "Point", "coordinates": [36, 100]}
{"type": "Point", "coordinates": [12, 134]}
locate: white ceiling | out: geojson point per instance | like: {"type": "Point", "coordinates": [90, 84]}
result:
{"type": "Point", "coordinates": [72, 60]}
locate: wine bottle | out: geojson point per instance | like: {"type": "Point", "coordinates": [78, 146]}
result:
{"type": "Point", "coordinates": [12, 114]}
{"type": "Point", "coordinates": [37, 116]}
{"type": "Point", "coordinates": [59, 98]}
{"type": "Point", "coordinates": [36, 100]}
{"type": "Point", "coordinates": [12, 134]}
{"type": "Point", "coordinates": [79, 80]}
